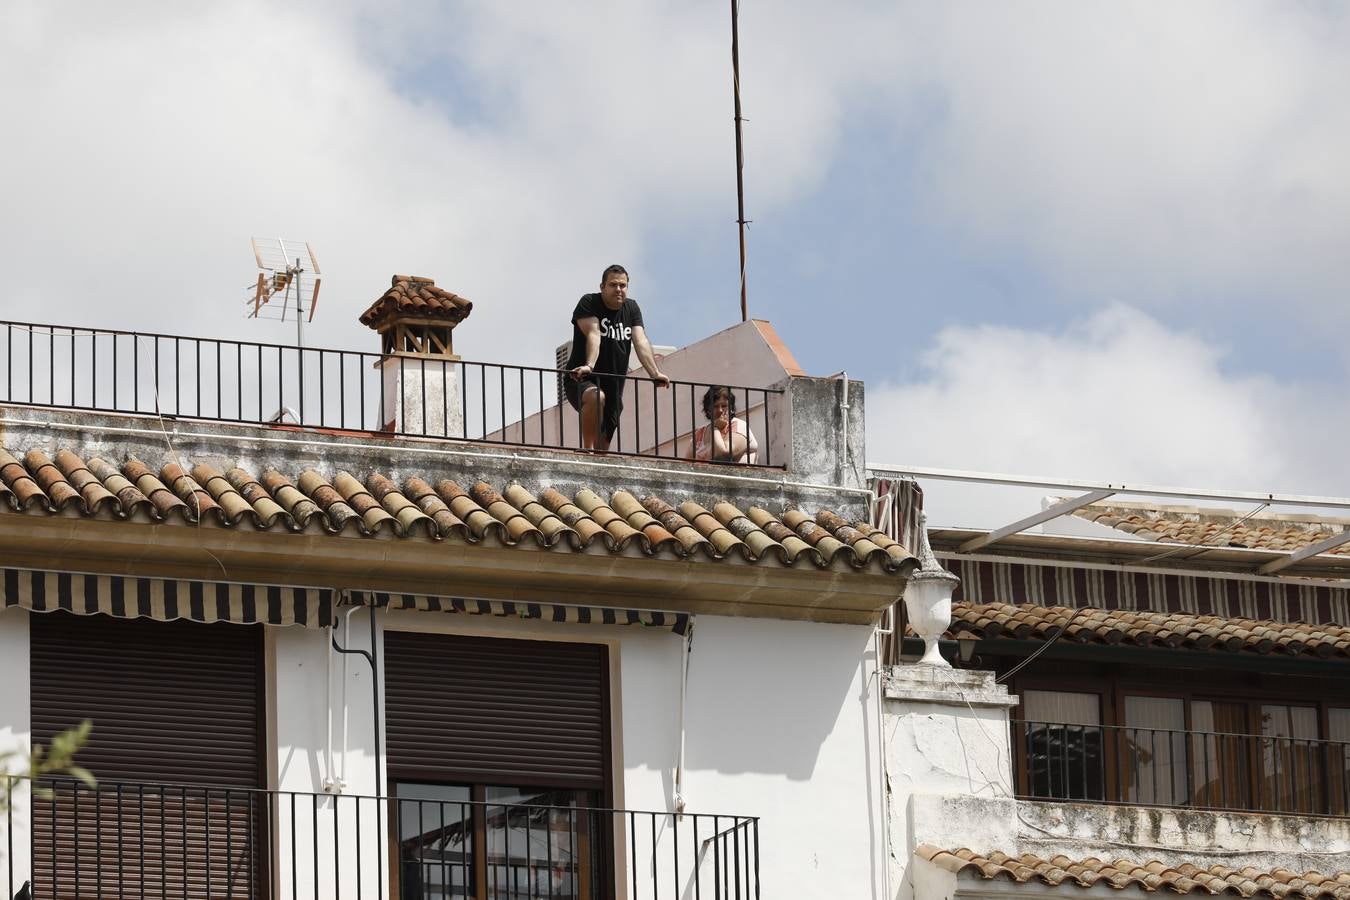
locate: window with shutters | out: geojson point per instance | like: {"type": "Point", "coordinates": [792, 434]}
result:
{"type": "Point", "coordinates": [176, 747]}
{"type": "Point", "coordinates": [498, 757]}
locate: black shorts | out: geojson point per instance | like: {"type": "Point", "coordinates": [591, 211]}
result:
{"type": "Point", "coordinates": [613, 388]}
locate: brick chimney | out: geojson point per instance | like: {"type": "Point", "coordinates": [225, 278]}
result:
{"type": "Point", "coordinates": [416, 322]}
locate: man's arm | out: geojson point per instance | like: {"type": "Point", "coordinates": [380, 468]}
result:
{"type": "Point", "coordinates": [646, 357]}
{"type": "Point", "coordinates": [590, 327]}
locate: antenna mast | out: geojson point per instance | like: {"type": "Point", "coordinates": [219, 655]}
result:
{"type": "Point", "coordinates": [282, 267]}
{"type": "Point", "coordinates": [740, 158]}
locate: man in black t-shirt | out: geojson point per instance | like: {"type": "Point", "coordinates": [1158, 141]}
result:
{"type": "Point", "coordinates": [605, 328]}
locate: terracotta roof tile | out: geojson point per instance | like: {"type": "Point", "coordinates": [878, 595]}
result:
{"type": "Point", "coordinates": [234, 506]}
{"type": "Point", "coordinates": [550, 526]}
{"type": "Point", "coordinates": [265, 500]}
{"type": "Point", "coordinates": [708, 526]}
{"type": "Point", "coordinates": [409, 295]}
{"type": "Point", "coordinates": [670, 519]}
{"type": "Point", "coordinates": [826, 544]}
{"type": "Point", "coordinates": [301, 510]}
{"type": "Point", "coordinates": [628, 506]}
{"type": "Point", "coordinates": [339, 514]}
{"type": "Point", "coordinates": [621, 533]}
{"type": "Point", "coordinates": [447, 523]}
{"type": "Point", "coordinates": [793, 546]}
{"type": "Point", "coordinates": [198, 501]}
{"type": "Point", "coordinates": [586, 529]}
{"type": "Point", "coordinates": [1150, 875]}
{"type": "Point", "coordinates": [165, 501]}
{"type": "Point", "coordinates": [480, 521]}
{"type": "Point", "coordinates": [1027, 621]}
{"type": "Point", "coordinates": [130, 500]}
{"type": "Point", "coordinates": [51, 479]}
{"type": "Point", "coordinates": [96, 497]}
{"type": "Point", "coordinates": [20, 486]}
{"type": "Point", "coordinates": [434, 508]}
{"type": "Point", "coordinates": [747, 532]}
{"type": "Point", "coordinates": [1215, 527]}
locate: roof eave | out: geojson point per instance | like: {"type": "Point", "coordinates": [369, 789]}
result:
{"type": "Point", "coordinates": [485, 570]}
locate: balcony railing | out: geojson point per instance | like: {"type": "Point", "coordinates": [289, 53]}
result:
{"type": "Point", "coordinates": [215, 380]}
{"type": "Point", "coordinates": [1191, 769]}
{"type": "Point", "coordinates": [133, 839]}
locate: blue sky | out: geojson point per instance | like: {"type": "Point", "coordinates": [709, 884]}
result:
{"type": "Point", "coordinates": [1089, 240]}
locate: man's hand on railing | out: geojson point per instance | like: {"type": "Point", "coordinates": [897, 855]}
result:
{"type": "Point", "coordinates": [660, 379]}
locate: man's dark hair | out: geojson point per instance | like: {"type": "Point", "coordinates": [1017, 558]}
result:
{"type": "Point", "coordinates": [615, 269]}
{"type": "Point", "coordinates": [715, 393]}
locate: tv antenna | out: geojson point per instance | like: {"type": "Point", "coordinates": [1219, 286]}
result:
{"type": "Point", "coordinates": [741, 220]}
{"type": "Point", "coordinates": [283, 267]}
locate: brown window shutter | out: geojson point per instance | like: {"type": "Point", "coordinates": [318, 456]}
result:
{"type": "Point", "coordinates": [496, 711]}
{"type": "Point", "coordinates": [175, 702]}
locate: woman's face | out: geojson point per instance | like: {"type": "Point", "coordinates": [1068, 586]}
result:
{"type": "Point", "coordinates": [721, 408]}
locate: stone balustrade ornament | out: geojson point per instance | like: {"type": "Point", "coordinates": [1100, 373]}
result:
{"type": "Point", "coordinates": [928, 599]}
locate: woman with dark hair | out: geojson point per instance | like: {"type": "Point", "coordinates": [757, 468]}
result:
{"type": "Point", "coordinates": [725, 438]}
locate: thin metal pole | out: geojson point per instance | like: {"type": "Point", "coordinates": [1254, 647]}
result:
{"type": "Point", "coordinates": [299, 319]}
{"type": "Point", "coordinates": [740, 156]}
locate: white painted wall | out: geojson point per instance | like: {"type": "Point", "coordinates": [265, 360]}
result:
{"type": "Point", "coordinates": [303, 672]}
{"type": "Point", "coordinates": [15, 737]}
{"type": "Point", "coordinates": [946, 736]}
{"type": "Point", "coordinates": [781, 724]}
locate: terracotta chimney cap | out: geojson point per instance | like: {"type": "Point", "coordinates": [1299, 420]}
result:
{"type": "Point", "coordinates": [413, 297]}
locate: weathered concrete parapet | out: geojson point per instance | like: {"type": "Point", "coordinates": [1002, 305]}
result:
{"type": "Point", "coordinates": [947, 735]}
{"type": "Point", "coordinates": [1173, 837]}
{"type": "Point", "coordinates": [817, 427]}
{"type": "Point", "coordinates": [959, 688]}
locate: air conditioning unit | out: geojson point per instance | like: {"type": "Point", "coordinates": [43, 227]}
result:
{"type": "Point", "coordinates": [564, 351]}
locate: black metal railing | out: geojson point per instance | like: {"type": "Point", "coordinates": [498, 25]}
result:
{"type": "Point", "coordinates": [216, 380]}
{"type": "Point", "coordinates": [135, 839]}
{"type": "Point", "coordinates": [1195, 769]}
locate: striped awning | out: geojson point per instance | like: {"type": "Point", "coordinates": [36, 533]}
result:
{"type": "Point", "coordinates": [131, 597]}
{"type": "Point", "coordinates": [679, 623]}
{"type": "Point", "coordinates": [984, 581]}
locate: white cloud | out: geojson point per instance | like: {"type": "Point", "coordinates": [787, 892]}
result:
{"type": "Point", "coordinates": [1114, 397]}
{"type": "Point", "coordinates": [1143, 149]}
{"type": "Point", "coordinates": [148, 147]}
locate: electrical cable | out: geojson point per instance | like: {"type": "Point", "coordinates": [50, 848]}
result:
{"type": "Point", "coordinates": [182, 467]}
{"type": "Point", "coordinates": [1206, 544]}
{"type": "Point", "coordinates": [1043, 647]}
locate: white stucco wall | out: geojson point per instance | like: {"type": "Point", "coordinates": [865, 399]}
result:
{"type": "Point", "coordinates": [299, 680]}
{"type": "Point", "coordinates": [15, 737]}
{"type": "Point", "coordinates": [780, 724]}
{"type": "Point", "coordinates": [946, 735]}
